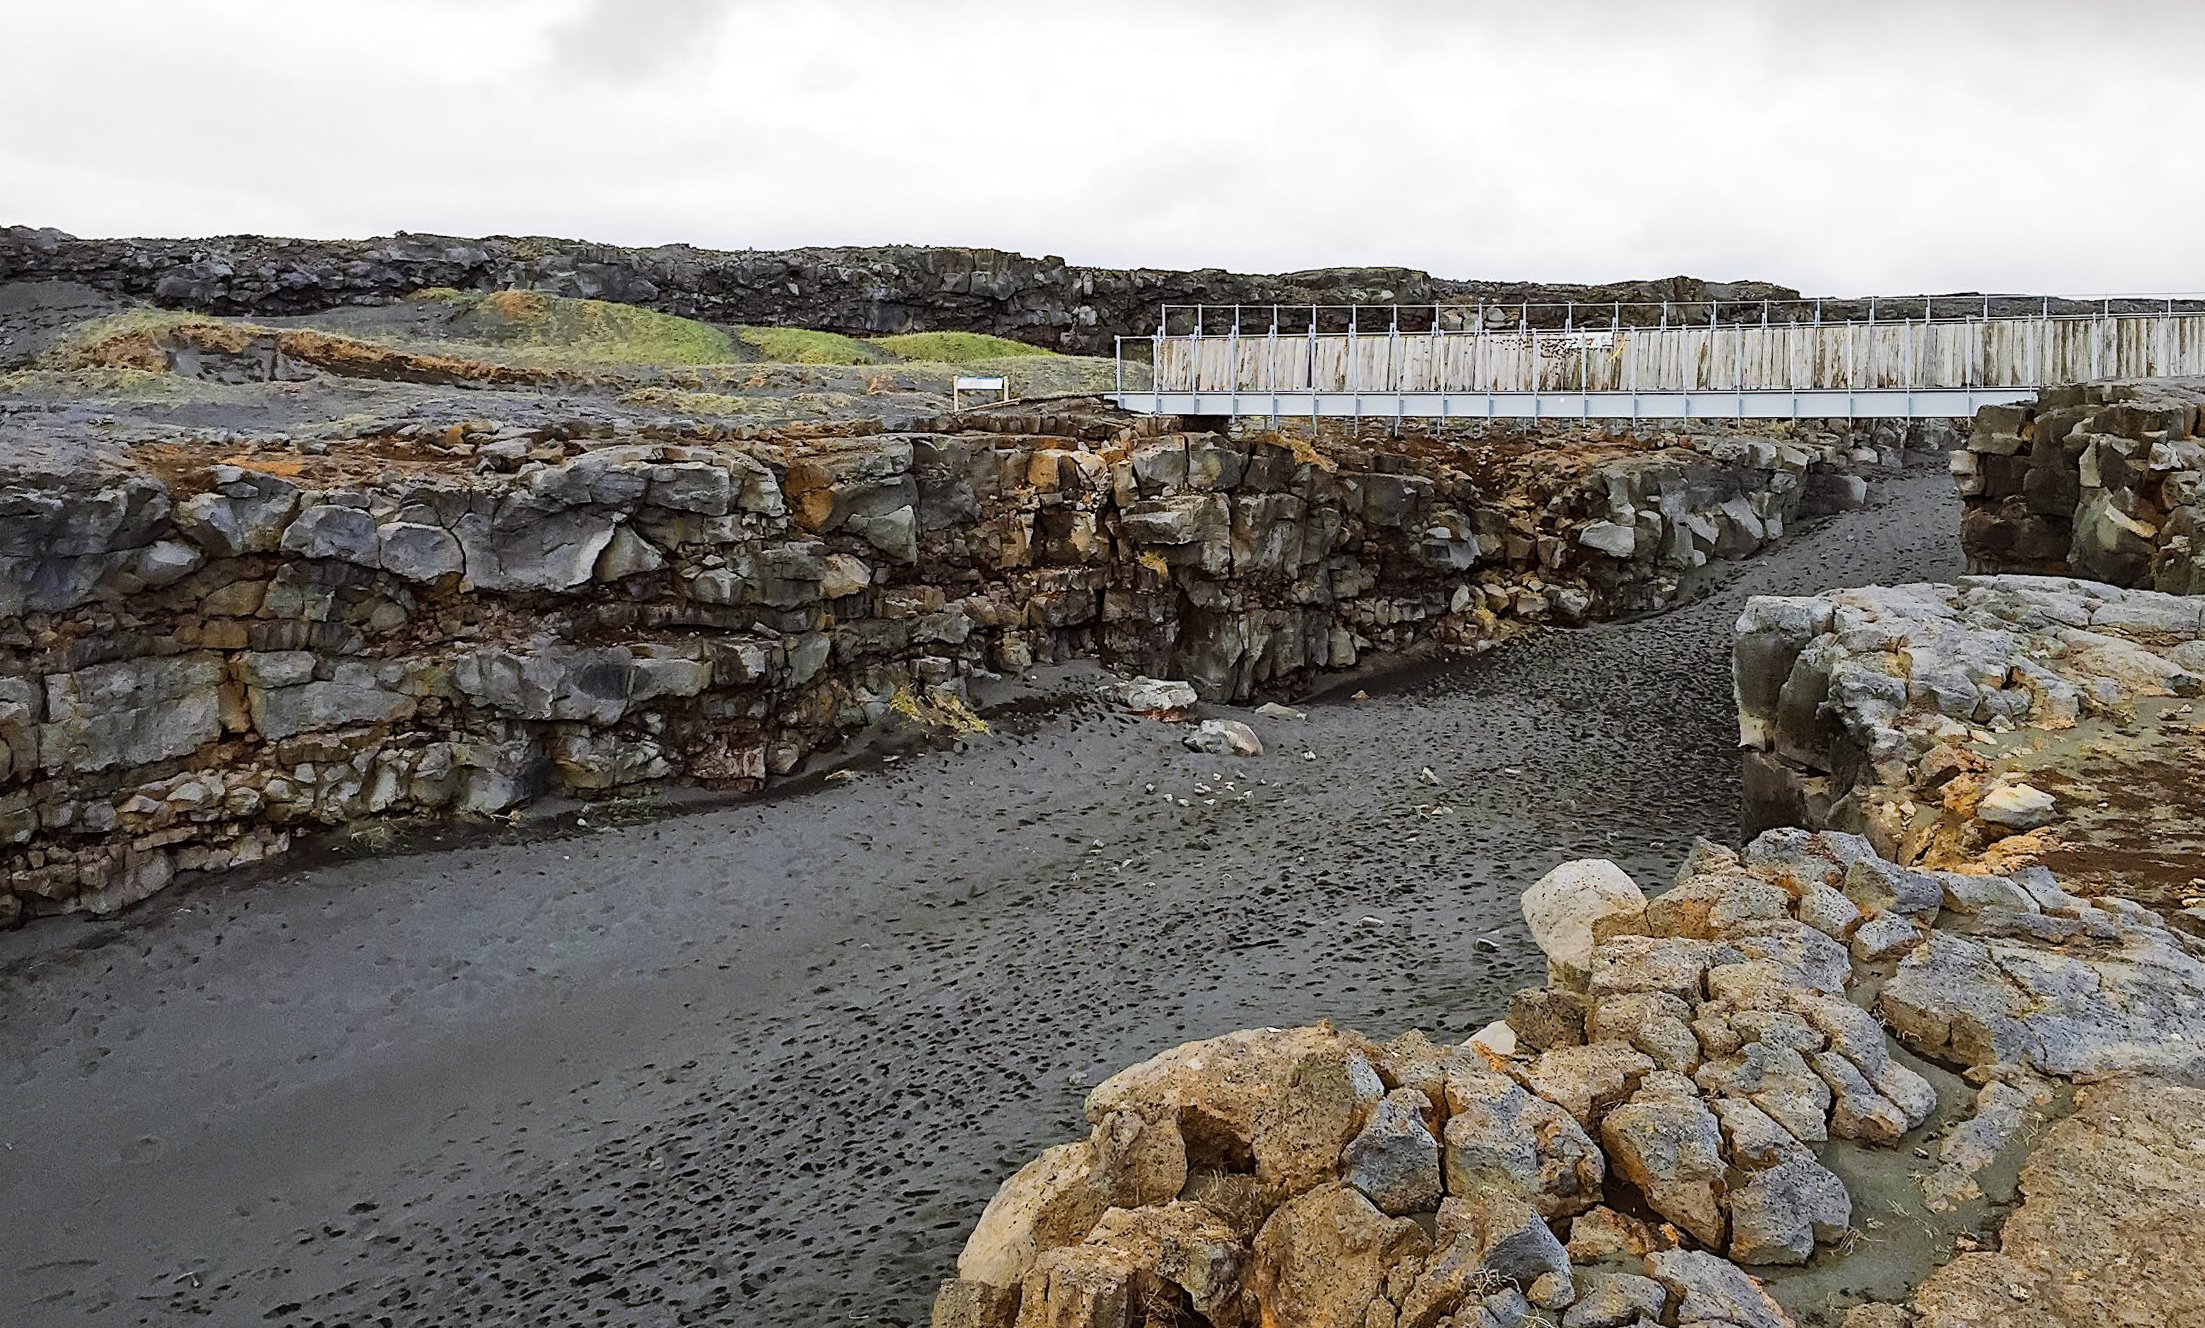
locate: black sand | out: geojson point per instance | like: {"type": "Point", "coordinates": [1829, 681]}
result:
{"type": "Point", "coordinates": [763, 1065]}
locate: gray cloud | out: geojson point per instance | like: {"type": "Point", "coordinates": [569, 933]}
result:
{"type": "Point", "coordinates": [626, 40]}
{"type": "Point", "coordinates": [1875, 145]}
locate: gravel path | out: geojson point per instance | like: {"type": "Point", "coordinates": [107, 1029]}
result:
{"type": "Point", "coordinates": [762, 1065]}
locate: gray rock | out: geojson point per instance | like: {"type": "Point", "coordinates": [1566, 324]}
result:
{"type": "Point", "coordinates": [1500, 1138]}
{"type": "Point", "coordinates": [352, 695]}
{"type": "Point", "coordinates": [2128, 1006]}
{"type": "Point", "coordinates": [1656, 1023]}
{"type": "Point", "coordinates": [1671, 1149]}
{"type": "Point", "coordinates": [1779, 1081]}
{"type": "Point", "coordinates": [1510, 1236]}
{"type": "Point", "coordinates": [246, 515]}
{"type": "Point", "coordinates": [1879, 886]}
{"type": "Point", "coordinates": [2017, 806]}
{"type": "Point", "coordinates": [626, 554]}
{"type": "Point", "coordinates": [130, 712]}
{"type": "Point", "coordinates": [165, 562]}
{"type": "Point", "coordinates": [1704, 1289]}
{"type": "Point", "coordinates": [1617, 1300]}
{"type": "Point", "coordinates": [894, 533]}
{"type": "Point", "coordinates": [1751, 1137]}
{"type": "Point", "coordinates": [331, 530]}
{"type": "Point", "coordinates": [1611, 538]}
{"type": "Point", "coordinates": [1395, 1160]}
{"type": "Point", "coordinates": [844, 576]}
{"type": "Point", "coordinates": [691, 486]}
{"type": "Point", "coordinates": [1973, 894]}
{"type": "Point", "coordinates": [1829, 912]}
{"type": "Point", "coordinates": [528, 548]}
{"type": "Point", "coordinates": [1780, 1212]}
{"type": "Point", "coordinates": [418, 552]}
{"type": "Point", "coordinates": [1883, 937]}
{"type": "Point", "coordinates": [1974, 1144]}
{"type": "Point", "coordinates": [1150, 695]}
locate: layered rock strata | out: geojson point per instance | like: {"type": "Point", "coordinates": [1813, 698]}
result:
{"type": "Point", "coordinates": [2104, 481]}
{"type": "Point", "coordinates": [212, 641]}
{"type": "Point", "coordinates": [2016, 719]}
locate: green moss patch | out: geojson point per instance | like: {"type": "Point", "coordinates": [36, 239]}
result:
{"type": "Point", "coordinates": [797, 345]}
{"type": "Point", "coordinates": [955, 347]}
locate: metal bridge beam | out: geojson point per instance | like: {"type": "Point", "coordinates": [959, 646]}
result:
{"type": "Point", "coordinates": [1920, 403]}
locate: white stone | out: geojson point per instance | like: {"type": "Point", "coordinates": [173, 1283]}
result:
{"type": "Point", "coordinates": [1563, 906]}
{"type": "Point", "coordinates": [1224, 737]}
{"type": "Point", "coordinates": [1611, 538]}
{"type": "Point", "coordinates": [2017, 805]}
{"type": "Point", "coordinates": [845, 576]}
{"type": "Point", "coordinates": [1497, 1038]}
{"type": "Point", "coordinates": [1156, 694]}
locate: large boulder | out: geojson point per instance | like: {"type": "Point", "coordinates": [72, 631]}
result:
{"type": "Point", "coordinates": [1053, 1201]}
{"type": "Point", "coordinates": [1566, 906]}
{"type": "Point", "coordinates": [1671, 1148]}
{"type": "Point", "coordinates": [1499, 1137]}
{"type": "Point", "coordinates": [1323, 1259]}
{"type": "Point", "coordinates": [1395, 1160]}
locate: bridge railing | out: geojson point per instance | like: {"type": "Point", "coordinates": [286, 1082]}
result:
{"type": "Point", "coordinates": [1506, 350]}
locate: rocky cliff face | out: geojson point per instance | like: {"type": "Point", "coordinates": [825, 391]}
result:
{"type": "Point", "coordinates": [883, 289]}
{"type": "Point", "coordinates": [209, 642]}
{"type": "Point", "coordinates": [2105, 481]}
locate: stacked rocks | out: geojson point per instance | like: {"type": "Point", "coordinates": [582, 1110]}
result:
{"type": "Point", "coordinates": [2104, 480]}
{"type": "Point", "coordinates": [1635, 1136]}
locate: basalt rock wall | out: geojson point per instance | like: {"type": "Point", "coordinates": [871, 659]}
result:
{"type": "Point", "coordinates": [205, 647]}
{"type": "Point", "coordinates": [2104, 481]}
{"type": "Point", "coordinates": [880, 289]}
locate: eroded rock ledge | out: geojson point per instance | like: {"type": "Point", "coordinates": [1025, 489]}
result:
{"type": "Point", "coordinates": [2013, 719]}
{"type": "Point", "coordinates": [1641, 1134]}
{"type": "Point", "coordinates": [208, 643]}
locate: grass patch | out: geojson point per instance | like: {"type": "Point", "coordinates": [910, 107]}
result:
{"type": "Point", "coordinates": [122, 341]}
{"type": "Point", "coordinates": [112, 384]}
{"type": "Point", "coordinates": [444, 295]}
{"type": "Point", "coordinates": [557, 329]}
{"type": "Point", "coordinates": [797, 345]}
{"type": "Point", "coordinates": [955, 347]}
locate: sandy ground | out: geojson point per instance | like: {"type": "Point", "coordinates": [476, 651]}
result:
{"type": "Point", "coordinates": [763, 1064]}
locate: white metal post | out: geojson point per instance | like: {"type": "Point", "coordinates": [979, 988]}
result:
{"type": "Point", "coordinates": [1232, 364]}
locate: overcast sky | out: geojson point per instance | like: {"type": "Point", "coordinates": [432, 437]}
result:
{"type": "Point", "coordinates": [1840, 146]}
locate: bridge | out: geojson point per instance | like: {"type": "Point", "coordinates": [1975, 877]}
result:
{"type": "Point", "coordinates": [1944, 356]}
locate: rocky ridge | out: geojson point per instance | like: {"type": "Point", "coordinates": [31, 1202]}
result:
{"type": "Point", "coordinates": [1644, 1131]}
{"type": "Point", "coordinates": [215, 640]}
{"type": "Point", "coordinates": [882, 289]}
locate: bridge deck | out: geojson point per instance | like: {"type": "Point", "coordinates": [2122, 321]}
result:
{"type": "Point", "coordinates": [1884, 368]}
